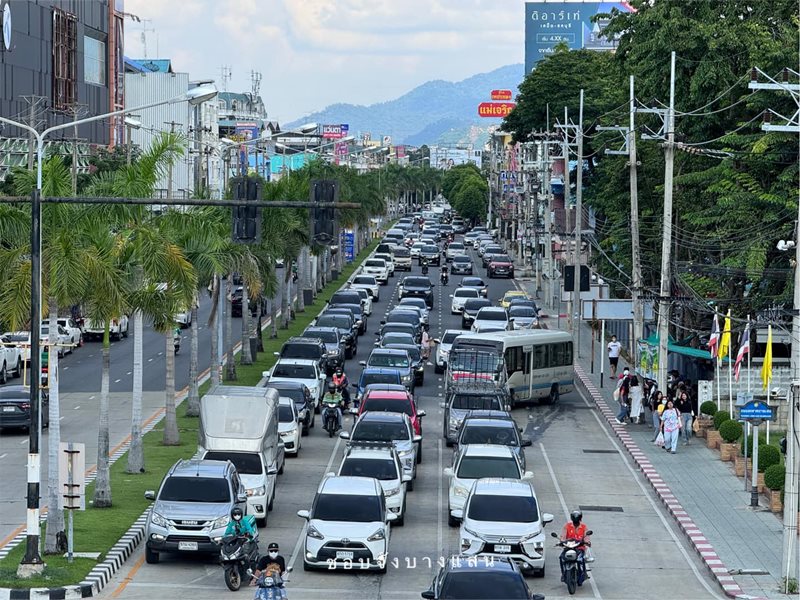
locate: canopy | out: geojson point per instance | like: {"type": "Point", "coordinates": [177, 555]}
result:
{"type": "Point", "coordinates": [677, 348]}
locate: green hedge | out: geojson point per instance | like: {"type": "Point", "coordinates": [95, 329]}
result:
{"type": "Point", "coordinates": [768, 455]}
{"type": "Point", "coordinates": [708, 408]}
{"type": "Point", "coordinates": [774, 476]}
{"type": "Point", "coordinates": [730, 431]}
{"type": "Point", "coordinates": [720, 417]}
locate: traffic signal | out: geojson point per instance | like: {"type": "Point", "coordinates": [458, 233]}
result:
{"type": "Point", "coordinates": [569, 279]}
{"type": "Point", "coordinates": [584, 283]}
{"type": "Point", "coordinates": [246, 219]}
{"type": "Point", "coordinates": [324, 193]}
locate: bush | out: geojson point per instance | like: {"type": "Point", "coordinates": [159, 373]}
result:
{"type": "Point", "coordinates": [768, 455]}
{"type": "Point", "coordinates": [774, 476]}
{"type": "Point", "coordinates": [730, 431]}
{"type": "Point", "coordinates": [720, 417]}
{"type": "Point", "coordinates": [708, 408]}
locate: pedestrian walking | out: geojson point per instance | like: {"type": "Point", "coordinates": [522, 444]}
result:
{"type": "Point", "coordinates": [657, 404]}
{"type": "Point", "coordinates": [614, 349]}
{"type": "Point", "coordinates": [426, 345]}
{"type": "Point", "coordinates": [635, 394]}
{"type": "Point", "coordinates": [621, 394]}
{"type": "Point", "coordinates": [671, 427]}
{"type": "Point", "coordinates": [684, 406]}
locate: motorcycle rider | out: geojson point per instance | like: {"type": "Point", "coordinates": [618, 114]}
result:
{"type": "Point", "coordinates": [444, 275]}
{"type": "Point", "coordinates": [333, 399]}
{"type": "Point", "coordinates": [424, 266]}
{"type": "Point", "coordinates": [342, 385]}
{"type": "Point", "coordinates": [272, 564]}
{"type": "Point", "coordinates": [575, 529]}
{"type": "Point", "coordinates": [238, 525]}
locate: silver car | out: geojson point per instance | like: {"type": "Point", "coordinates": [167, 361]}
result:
{"type": "Point", "coordinates": [443, 345]}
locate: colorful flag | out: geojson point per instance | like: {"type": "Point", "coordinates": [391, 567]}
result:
{"type": "Point", "coordinates": [744, 348]}
{"type": "Point", "coordinates": [766, 369]}
{"type": "Point", "coordinates": [714, 339]}
{"type": "Point", "coordinates": [725, 341]}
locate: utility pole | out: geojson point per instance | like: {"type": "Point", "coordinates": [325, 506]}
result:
{"type": "Point", "coordinates": [576, 293]}
{"type": "Point", "coordinates": [548, 224]}
{"type": "Point", "coordinates": [666, 241]}
{"type": "Point", "coordinates": [172, 125]}
{"type": "Point", "coordinates": [567, 196]}
{"type": "Point", "coordinates": [638, 311]}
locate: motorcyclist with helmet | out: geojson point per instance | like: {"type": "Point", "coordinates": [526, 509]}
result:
{"type": "Point", "coordinates": [333, 399]}
{"type": "Point", "coordinates": [444, 276]}
{"type": "Point", "coordinates": [272, 565]}
{"type": "Point", "coordinates": [238, 525]}
{"type": "Point", "coordinates": [342, 385]}
{"type": "Point", "coordinates": [576, 530]}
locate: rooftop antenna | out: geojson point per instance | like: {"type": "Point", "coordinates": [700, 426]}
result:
{"type": "Point", "coordinates": [226, 73]}
{"type": "Point", "coordinates": [255, 83]}
{"type": "Point", "coordinates": [143, 36]}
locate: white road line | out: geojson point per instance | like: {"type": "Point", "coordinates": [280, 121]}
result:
{"type": "Point", "coordinates": [149, 360]}
{"type": "Point", "coordinates": [440, 516]}
{"type": "Point", "coordinates": [117, 380]}
{"type": "Point", "coordinates": [128, 373]}
{"type": "Point", "coordinates": [91, 397]}
{"type": "Point", "coordinates": [76, 407]}
{"type": "Point", "coordinates": [60, 418]}
{"type": "Point", "coordinates": [2, 456]}
{"type": "Point", "coordinates": [23, 442]}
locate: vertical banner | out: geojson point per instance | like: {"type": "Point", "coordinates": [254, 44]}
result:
{"type": "Point", "coordinates": [349, 245]}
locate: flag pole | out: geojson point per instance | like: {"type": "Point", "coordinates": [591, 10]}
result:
{"type": "Point", "coordinates": [748, 357]}
{"type": "Point", "coordinates": [719, 399]}
{"type": "Point", "coordinates": [730, 382]}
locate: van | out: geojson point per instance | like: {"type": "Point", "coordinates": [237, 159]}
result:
{"type": "Point", "coordinates": [240, 424]}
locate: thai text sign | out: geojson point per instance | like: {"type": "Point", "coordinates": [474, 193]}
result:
{"type": "Point", "coordinates": [495, 109]}
{"type": "Point", "coordinates": [501, 95]}
{"type": "Point", "coordinates": [335, 132]}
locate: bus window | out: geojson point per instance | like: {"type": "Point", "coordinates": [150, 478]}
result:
{"type": "Point", "coordinates": [514, 360]}
{"type": "Point", "coordinates": [540, 357]}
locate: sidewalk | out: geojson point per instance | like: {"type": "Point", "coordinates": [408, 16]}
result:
{"type": "Point", "coordinates": [701, 492]}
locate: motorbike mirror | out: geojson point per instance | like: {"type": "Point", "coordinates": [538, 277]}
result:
{"type": "Point", "coordinates": [553, 534]}
{"type": "Point", "coordinates": [272, 471]}
{"type": "Point", "coordinates": [289, 569]}
{"type": "Point", "coordinates": [240, 498]}
{"type": "Point", "coordinates": [589, 532]}
{"type": "Point", "coordinates": [150, 495]}
{"type": "Point", "coordinates": [363, 363]}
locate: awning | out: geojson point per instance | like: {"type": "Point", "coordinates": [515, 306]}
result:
{"type": "Point", "coordinates": [677, 348]}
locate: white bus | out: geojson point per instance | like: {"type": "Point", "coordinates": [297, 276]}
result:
{"type": "Point", "coordinates": [538, 362]}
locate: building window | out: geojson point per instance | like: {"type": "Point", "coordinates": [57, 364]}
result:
{"type": "Point", "coordinates": [65, 70]}
{"type": "Point", "coordinates": [94, 61]}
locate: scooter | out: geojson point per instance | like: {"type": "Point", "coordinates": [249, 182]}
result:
{"type": "Point", "coordinates": [176, 342]}
{"type": "Point", "coordinates": [238, 555]}
{"type": "Point", "coordinates": [444, 277]}
{"type": "Point", "coordinates": [573, 562]}
{"type": "Point", "coordinates": [271, 587]}
{"type": "Point", "coordinates": [425, 267]}
{"type": "Point", "coordinates": [330, 420]}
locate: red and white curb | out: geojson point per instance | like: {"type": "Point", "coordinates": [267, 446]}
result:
{"type": "Point", "coordinates": [699, 542]}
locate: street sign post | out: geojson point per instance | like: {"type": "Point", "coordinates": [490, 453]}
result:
{"type": "Point", "coordinates": [754, 412]}
{"type": "Point", "coordinates": [71, 467]}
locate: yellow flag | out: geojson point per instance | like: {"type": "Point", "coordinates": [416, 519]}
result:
{"type": "Point", "coordinates": [725, 342]}
{"type": "Point", "coordinates": [766, 369]}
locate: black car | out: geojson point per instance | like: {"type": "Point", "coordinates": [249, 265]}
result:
{"type": "Point", "coordinates": [306, 348]}
{"type": "Point", "coordinates": [471, 308]}
{"type": "Point", "coordinates": [417, 287]}
{"type": "Point", "coordinates": [15, 407]}
{"type": "Point", "coordinates": [493, 427]}
{"type": "Point", "coordinates": [432, 253]}
{"type": "Point", "coordinates": [357, 310]}
{"type": "Point", "coordinates": [479, 578]}
{"type": "Point", "coordinates": [334, 344]}
{"type": "Point", "coordinates": [477, 283]}
{"type": "Point", "coordinates": [417, 362]}
{"type": "Point", "coordinates": [236, 303]}
{"type": "Point", "coordinates": [461, 265]}
{"type": "Point", "coordinates": [398, 315]}
{"type": "Point", "coordinates": [412, 330]}
{"type": "Point", "coordinates": [301, 396]}
{"type": "Point", "coordinates": [347, 326]}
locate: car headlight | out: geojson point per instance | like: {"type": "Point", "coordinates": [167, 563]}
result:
{"type": "Point", "coordinates": [406, 378]}
{"type": "Point", "coordinates": [157, 519]}
{"type": "Point", "coordinates": [221, 522]}
{"type": "Point", "coordinates": [333, 353]}
{"type": "Point", "coordinates": [391, 492]}
{"type": "Point", "coordinates": [314, 533]}
{"type": "Point", "coordinates": [378, 535]}
{"type": "Point", "coordinates": [472, 533]}
{"type": "Point", "coordinates": [259, 491]}
{"type": "Point", "coordinates": [460, 491]}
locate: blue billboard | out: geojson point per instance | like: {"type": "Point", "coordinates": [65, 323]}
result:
{"type": "Point", "coordinates": [550, 23]}
{"type": "Point", "coordinates": [349, 239]}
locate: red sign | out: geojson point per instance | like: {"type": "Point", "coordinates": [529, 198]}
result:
{"type": "Point", "coordinates": [495, 109]}
{"type": "Point", "coordinates": [501, 95]}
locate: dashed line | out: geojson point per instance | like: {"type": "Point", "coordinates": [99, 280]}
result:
{"type": "Point", "coordinates": [117, 380]}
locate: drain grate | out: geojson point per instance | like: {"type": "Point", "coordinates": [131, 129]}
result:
{"type": "Point", "coordinates": [590, 451]}
{"type": "Point", "coordinates": [592, 508]}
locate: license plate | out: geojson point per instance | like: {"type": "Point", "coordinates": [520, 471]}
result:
{"type": "Point", "coordinates": [344, 555]}
{"type": "Point", "coordinates": [8, 409]}
{"type": "Point", "coordinates": [504, 548]}
{"type": "Point", "coordinates": [187, 545]}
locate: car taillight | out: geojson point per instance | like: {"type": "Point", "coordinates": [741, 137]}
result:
{"type": "Point", "coordinates": [25, 406]}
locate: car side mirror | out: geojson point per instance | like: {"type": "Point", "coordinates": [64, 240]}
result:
{"type": "Point", "coordinates": [391, 517]}
{"type": "Point", "coordinates": [344, 435]}
{"type": "Point", "coordinates": [537, 596]}
{"type": "Point", "coordinates": [457, 513]}
{"type": "Point", "coordinates": [272, 471]}
{"type": "Point", "coordinates": [383, 322]}
{"type": "Point", "coordinates": [241, 498]}
{"type": "Point", "coordinates": [421, 413]}
{"type": "Point", "coordinates": [448, 471]}
{"type": "Point", "coordinates": [330, 474]}
{"type": "Point", "coordinates": [303, 514]}
{"type": "Point", "coordinates": [525, 442]}
{"type": "Point", "coordinates": [299, 419]}
{"type": "Point", "coordinates": [528, 475]}
{"type": "Point", "coordinates": [547, 518]}
{"type": "Point", "coordinates": [363, 363]}
{"type": "Point", "coordinates": [429, 595]}
{"type": "Point", "coordinates": [265, 373]}
{"type": "Point", "coordinates": [276, 353]}
{"type": "Point", "coordinates": [406, 478]}
{"type": "Point", "coordinates": [437, 341]}
{"type": "Point", "coordinates": [150, 495]}
{"type": "Point", "coordinates": [451, 295]}
{"type": "Point", "coordinates": [416, 439]}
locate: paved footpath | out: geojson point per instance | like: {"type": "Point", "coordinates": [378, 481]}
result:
{"type": "Point", "coordinates": [701, 492]}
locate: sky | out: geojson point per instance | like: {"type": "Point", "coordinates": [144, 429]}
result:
{"type": "Point", "coordinates": [312, 53]}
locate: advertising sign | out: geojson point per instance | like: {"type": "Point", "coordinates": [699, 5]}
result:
{"type": "Point", "coordinates": [246, 131]}
{"type": "Point", "coordinates": [501, 95]}
{"type": "Point", "coordinates": [400, 151]}
{"type": "Point", "coordinates": [495, 109]}
{"type": "Point", "coordinates": [349, 245]}
{"type": "Point", "coordinates": [335, 132]}
{"type": "Point", "coordinates": [446, 158]}
{"type": "Point", "coordinates": [550, 23]}
{"type": "Point", "coordinates": [387, 141]}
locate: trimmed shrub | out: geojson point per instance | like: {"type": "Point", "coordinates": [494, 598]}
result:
{"type": "Point", "coordinates": [774, 476]}
{"type": "Point", "coordinates": [708, 408]}
{"type": "Point", "coordinates": [730, 431]}
{"type": "Point", "coordinates": [768, 455]}
{"type": "Point", "coordinates": [720, 417]}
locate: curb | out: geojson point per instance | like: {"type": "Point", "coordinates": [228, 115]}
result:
{"type": "Point", "coordinates": [698, 541]}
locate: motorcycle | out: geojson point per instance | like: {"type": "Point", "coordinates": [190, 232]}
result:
{"type": "Point", "coordinates": [238, 555]}
{"type": "Point", "coordinates": [330, 420]}
{"type": "Point", "coordinates": [444, 277]}
{"type": "Point", "coordinates": [573, 562]}
{"type": "Point", "coordinates": [425, 267]}
{"type": "Point", "coordinates": [271, 587]}
{"type": "Point", "coordinates": [176, 342]}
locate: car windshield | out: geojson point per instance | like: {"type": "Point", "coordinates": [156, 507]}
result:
{"type": "Point", "coordinates": [340, 322]}
{"type": "Point", "coordinates": [294, 371]}
{"type": "Point", "coordinates": [378, 431]}
{"type": "Point", "coordinates": [507, 509]}
{"type": "Point", "coordinates": [466, 293]}
{"type": "Point", "coordinates": [18, 337]}
{"type": "Point", "coordinates": [493, 315]}
{"type": "Point", "coordinates": [418, 302]}
{"type": "Point", "coordinates": [411, 319]}
{"type": "Point", "coordinates": [500, 257]}
{"type": "Point", "coordinates": [456, 246]}
{"type": "Point", "coordinates": [385, 405]}
{"type": "Point", "coordinates": [347, 507]}
{"type": "Point", "coordinates": [417, 245]}
{"type": "Point", "coordinates": [381, 469]}
{"type": "Point", "coordinates": [473, 586]}
{"type": "Point", "coordinates": [295, 394]}
{"type": "Point", "coordinates": [476, 402]}
{"type": "Point", "coordinates": [475, 304]}
{"type": "Point", "coordinates": [195, 489]}
{"type": "Point", "coordinates": [375, 263]}
{"type": "Point", "coordinates": [450, 336]}
{"type": "Point", "coordinates": [422, 282]}
{"type": "Point", "coordinates": [329, 337]}
{"type": "Point", "coordinates": [413, 351]}
{"type": "Point", "coordinates": [364, 280]}
{"type": "Point", "coordinates": [521, 311]}
{"type": "Point", "coordinates": [389, 360]}
{"type": "Point", "coordinates": [402, 252]}
{"type": "Point", "coordinates": [475, 467]}
{"type": "Point", "coordinates": [489, 434]}
{"type": "Point", "coordinates": [397, 338]}
{"type": "Point", "coordinates": [249, 464]}
{"type": "Point", "coordinates": [371, 378]}
{"type": "Point", "coordinates": [473, 282]}
{"type": "Point", "coordinates": [431, 248]}
{"type": "Point", "coordinates": [285, 414]}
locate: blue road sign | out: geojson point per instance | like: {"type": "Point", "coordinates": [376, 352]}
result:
{"type": "Point", "coordinates": [756, 409]}
{"type": "Point", "coordinates": [349, 246]}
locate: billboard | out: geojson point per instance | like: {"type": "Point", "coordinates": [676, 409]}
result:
{"type": "Point", "coordinates": [550, 23]}
{"type": "Point", "coordinates": [445, 158]}
{"type": "Point", "coordinates": [335, 132]}
{"type": "Point", "coordinates": [501, 95]}
{"type": "Point", "coordinates": [495, 109]}
{"type": "Point", "coordinates": [244, 132]}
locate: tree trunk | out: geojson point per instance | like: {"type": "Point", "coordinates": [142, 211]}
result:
{"type": "Point", "coordinates": [302, 269]}
{"type": "Point", "coordinates": [245, 358]}
{"type": "Point", "coordinates": [286, 315]}
{"type": "Point", "coordinates": [213, 321]}
{"type": "Point", "coordinates": [230, 365]}
{"type": "Point", "coordinates": [136, 452]}
{"type": "Point", "coordinates": [193, 405]}
{"type": "Point", "coordinates": [55, 538]}
{"type": "Point", "coordinates": [102, 483]}
{"type": "Point", "coordinates": [171, 435]}
{"type": "Point", "coordinates": [273, 317]}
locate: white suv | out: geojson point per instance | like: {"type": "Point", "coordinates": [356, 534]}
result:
{"type": "Point", "coordinates": [379, 460]}
{"type": "Point", "coordinates": [460, 296]}
{"type": "Point", "coordinates": [443, 345]}
{"type": "Point", "coordinates": [369, 283]}
{"type": "Point", "coordinates": [348, 526]}
{"type": "Point", "coordinates": [502, 519]}
{"type": "Point", "coordinates": [387, 256]}
{"type": "Point", "coordinates": [378, 268]}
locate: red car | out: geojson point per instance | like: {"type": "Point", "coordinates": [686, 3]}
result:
{"type": "Point", "coordinates": [500, 266]}
{"type": "Point", "coordinates": [391, 401]}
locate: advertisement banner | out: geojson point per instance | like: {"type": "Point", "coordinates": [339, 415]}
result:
{"type": "Point", "coordinates": [349, 245]}
{"type": "Point", "coordinates": [335, 132]}
{"type": "Point", "coordinates": [495, 109]}
{"type": "Point", "coordinates": [444, 158]}
{"type": "Point", "coordinates": [244, 132]}
{"type": "Point", "coordinates": [501, 95]}
{"type": "Point", "coordinates": [400, 151]}
{"type": "Point", "coordinates": [550, 23]}
{"type": "Point", "coordinates": [387, 141]}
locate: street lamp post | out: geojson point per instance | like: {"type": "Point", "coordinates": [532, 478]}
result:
{"type": "Point", "coordinates": [32, 563]}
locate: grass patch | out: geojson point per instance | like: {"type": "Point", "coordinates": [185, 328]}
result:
{"type": "Point", "coordinates": [97, 530]}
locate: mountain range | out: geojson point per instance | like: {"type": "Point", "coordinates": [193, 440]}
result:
{"type": "Point", "coordinates": [436, 112]}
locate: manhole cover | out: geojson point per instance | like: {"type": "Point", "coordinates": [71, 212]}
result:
{"type": "Point", "coordinates": [590, 451]}
{"type": "Point", "coordinates": [592, 508]}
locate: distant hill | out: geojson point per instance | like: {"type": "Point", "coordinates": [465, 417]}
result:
{"type": "Point", "coordinates": [434, 112]}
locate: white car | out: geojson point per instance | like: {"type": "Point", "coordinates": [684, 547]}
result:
{"type": "Point", "coordinates": [366, 300]}
{"type": "Point", "coordinates": [501, 519]}
{"type": "Point", "coordinates": [289, 427]}
{"type": "Point", "coordinates": [62, 338]}
{"type": "Point", "coordinates": [22, 340]}
{"type": "Point", "coordinates": [348, 526]}
{"type": "Point", "coordinates": [455, 249]}
{"type": "Point", "coordinates": [378, 268]}
{"type": "Point", "coordinates": [118, 328]}
{"type": "Point", "coordinates": [471, 238]}
{"type": "Point", "coordinates": [10, 359]}
{"type": "Point", "coordinates": [389, 261]}
{"type": "Point", "coordinates": [369, 283]}
{"type": "Point", "coordinates": [305, 371]}
{"type": "Point", "coordinates": [443, 345]}
{"type": "Point", "coordinates": [490, 318]}
{"type": "Point", "coordinates": [74, 330]}
{"type": "Point", "coordinates": [416, 248]}
{"type": "Point", "coordinates": [401, 256]}
{"type": "Point", "coordinates": [460, 296]}
{"type": "Point", "coordinates": [473, 462]}
{"type": "Point", "coordinates": [379, 460]}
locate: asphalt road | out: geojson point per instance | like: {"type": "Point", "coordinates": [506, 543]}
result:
{"type": "Point", "coordinates": [639, 554]}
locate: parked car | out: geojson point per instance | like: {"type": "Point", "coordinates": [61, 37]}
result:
{"type": "Point", "coordinates": [301, 396]}
{"type": "Point", "coordinates": [369, 283]}
{"type": "Point", "coordinates": [15, 407]}
{"type": "Point", "coordinates": [461, 265]}
{"type": "Point", "coordinates": [254, 304]}
{"type": "Point", "coordinates": [70, 325]}
{"type": "Point", "coordinates": [417, 287]}
{"type": "Point", "coordinates": [289, 427]}
{"type": "Point", "coordinates": [10, 359]}
{"type": "Point", "coordinates": [117, 329]}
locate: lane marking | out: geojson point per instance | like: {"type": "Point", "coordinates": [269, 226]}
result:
{"type": "Point", "coordinates": [75, 407]}
{"type": "Point", "coordinates": [440, 519]}
{"type": "Point", "coordinates": [131, 574]}
{"type": "Point", "coordinates": [117, 380]}
{"type": "Point", "coordinates": [2, 456]}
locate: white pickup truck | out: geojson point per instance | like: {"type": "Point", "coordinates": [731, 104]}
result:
{"type": "Point", "coordinates": [10, 359]}
{"type": "Point", "coordinates": [117, 329]}
{"type": "Point", "coordinates": [378, 268]}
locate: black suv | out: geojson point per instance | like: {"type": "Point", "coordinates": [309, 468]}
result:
{"type": "Point", "coordinates": [471, 308]}
{"type": "Point", "coordinates": [417, 287]}
{"type": "Point", "coordinates": [334, 345]}
{"type": "Point", "coordinates": [479, 577]}
{"type": "Point", "coordinates": [301, 396]}
{"type": "Point", "coordinates": [347, 326]}
{"type": "Point", "coordinates": [307, 349]}
{"type": "Point", "coordinates": [236, 303]}
{"type": "Point", "coordinates": [493, 427]}
{"type": "Point", "coordinates": [432, 253]}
